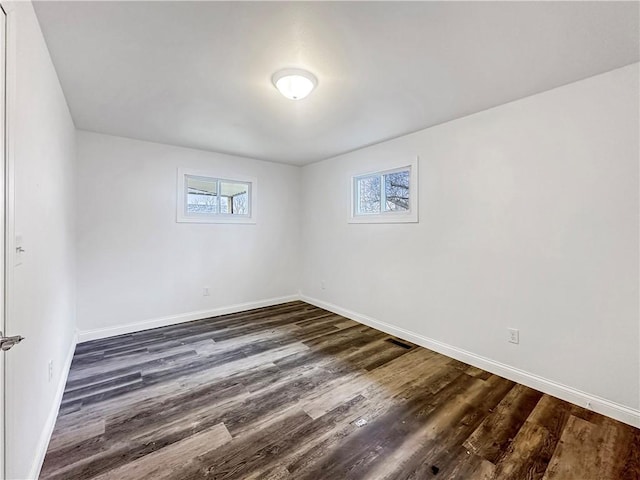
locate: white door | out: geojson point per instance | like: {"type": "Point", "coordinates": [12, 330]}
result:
{"type": "Point", "coordinates": [3, 163]}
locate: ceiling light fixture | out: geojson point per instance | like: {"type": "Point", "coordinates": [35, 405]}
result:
{"type": "Point", "coordinates": [294, 83]}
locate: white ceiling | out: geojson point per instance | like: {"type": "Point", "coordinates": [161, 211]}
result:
{"type": "Point", "coordinates": [198, 74]}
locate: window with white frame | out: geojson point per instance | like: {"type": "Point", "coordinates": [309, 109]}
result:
{"type": "Point", "coordinates": [386, 196]}
{"type": "Point", "coordinates": [204, 198]}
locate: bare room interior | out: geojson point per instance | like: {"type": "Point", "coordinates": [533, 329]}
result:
{"type": "Point", "coordinates": [320, 240]}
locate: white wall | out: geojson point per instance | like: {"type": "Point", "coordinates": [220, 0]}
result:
{"type": "Point", "coordinates": [528, 219]}
{"type": "Point", "coordinates": [42, 142]}
{"type": "Point", "coordinates": [136, 264]}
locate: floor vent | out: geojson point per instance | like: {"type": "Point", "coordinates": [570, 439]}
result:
{"type": "Point", "coordinates": [399, 343]}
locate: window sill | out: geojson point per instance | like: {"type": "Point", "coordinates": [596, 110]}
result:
{"type": "Point", "coordinates": [218, 220]}
{"type": "Point", "coordinates": [399, 218]}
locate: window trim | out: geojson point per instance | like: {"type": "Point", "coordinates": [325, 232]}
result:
{"type": "Point", "coordinates": [220, 176]}
{"type": "Point", "coordinates": [407, 216]}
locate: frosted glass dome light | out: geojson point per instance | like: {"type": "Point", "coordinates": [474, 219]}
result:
{"type": "Point", "coordinates": [294, 83]}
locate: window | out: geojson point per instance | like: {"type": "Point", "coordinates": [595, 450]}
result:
{"type": "Point", "coordinates": [388, 196]}
{"type": "Point", "coordinates": [211, 199]}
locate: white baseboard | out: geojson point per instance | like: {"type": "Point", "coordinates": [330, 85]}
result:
{"type": "Point", "coordinates": [96, 334]}
{"type": "Point", "coordinates": [45, 436]}
{"type": "Point", "coordinates": [606, 407]}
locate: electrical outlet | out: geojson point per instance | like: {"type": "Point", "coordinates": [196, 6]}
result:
{"type": "Point", "coordinates": [514, 335]}
{"type": "Point", "coordinates": [322, 285]}
{"type": "Point", "coordinates": [205, 292]}
{"type": "Point", "coordinates": [50, 370]}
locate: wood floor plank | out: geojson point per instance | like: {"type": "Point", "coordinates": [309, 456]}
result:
{"type": "Point", "coordinates": [577, 453]}
{"type": "Point", "coordinates": [76, 435]}
{"type": "Point", "coordinates": [495, 433]}
{"type": "Point", "coordinates": [164, 463]}
{"type": "Point", "coordinates": [465, 465]}
{"type": "Point", "coordinates": [630, 468]}
{"type": "Point", "coordinates": [296, 392]}
{"type": "Point", "coordinates": [528, 456]}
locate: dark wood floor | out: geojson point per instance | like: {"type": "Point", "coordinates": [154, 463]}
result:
{"type": "Point", "coordinates": [296, 392]}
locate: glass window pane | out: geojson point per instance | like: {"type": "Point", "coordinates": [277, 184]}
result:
{"type": "Point", "coordinates": [224, 204]}
{"type": "Point", "coordinates": [234, 197]}
{"type": "Point", "coordinates": [240, 204]}
{"type": "Point", "coordinates": [202, 195]}
{"type": "Point", "coordinates": [368, 190]}
{"type": "Point", "coordinates": [396, 191]}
